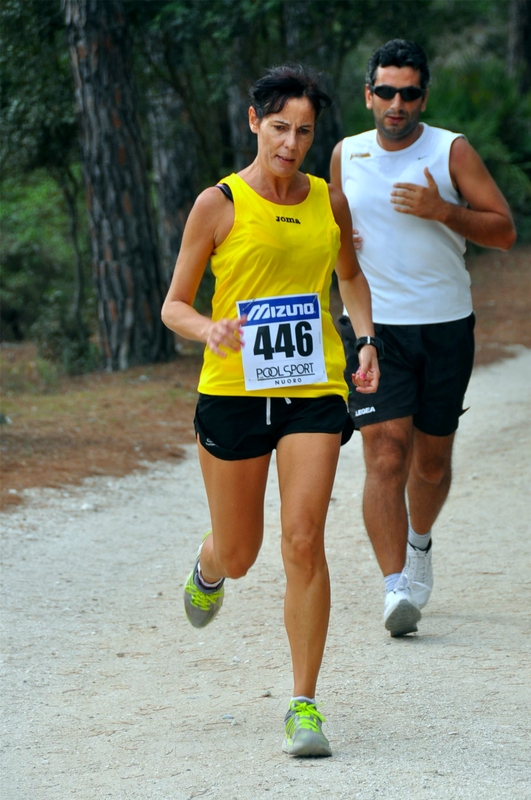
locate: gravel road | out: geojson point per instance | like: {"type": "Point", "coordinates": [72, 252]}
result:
{"type": "Point", "coordinates": [109, 693]}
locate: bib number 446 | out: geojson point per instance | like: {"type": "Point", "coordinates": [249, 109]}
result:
{"type": "Point", "coordinates": [283, 341]}
{"type": "Point", "coordinates": [263, 345]}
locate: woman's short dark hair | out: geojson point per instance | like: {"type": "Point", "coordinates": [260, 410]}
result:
{"type": "Point", "coordinates": [399, 53]}
{"type": "Point", "coordinates": [271, 92]}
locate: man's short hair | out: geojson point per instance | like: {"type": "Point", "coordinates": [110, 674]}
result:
{"type": "Point", "coordinates": [399, 53]}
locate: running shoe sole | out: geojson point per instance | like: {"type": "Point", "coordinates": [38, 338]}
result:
{"type": "Point", "coordinates": [308, 747]}
{"type": "Point", "coordinates": [403, 619]}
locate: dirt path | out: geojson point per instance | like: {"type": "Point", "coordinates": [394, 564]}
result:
{"type": "Point", "coordinates": [109, 693]}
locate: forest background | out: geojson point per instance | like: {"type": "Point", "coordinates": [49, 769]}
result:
{"type": "Point", "coordinates": [115, 114]}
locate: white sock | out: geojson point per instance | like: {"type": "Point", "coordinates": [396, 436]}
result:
{"type": "Point", "coordinates": [302, 699]}
{"type": "Point", "coordinates": [391, 581]}
{"type": "Point", "coordinates": [204, 583]}
{"type": "Point", "coordinates": [419, 540]}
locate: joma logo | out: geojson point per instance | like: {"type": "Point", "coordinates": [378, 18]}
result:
{"type": "Point", "coordinates": [289, 219]}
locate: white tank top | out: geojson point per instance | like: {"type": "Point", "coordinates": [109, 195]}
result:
{"type": "Point", "coordinates": [415, 267]}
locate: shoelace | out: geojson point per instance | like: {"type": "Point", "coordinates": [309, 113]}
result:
{"type": "Point", "coordinates": [405, 583]}
{"type": "Point", "coordinates": [305, 715]}
{"type": "Point", "coordinates": [200, 599]}
{"type": "Point", "coordinates": [402, 583]}
{"type": "Point", "coordinates": [421, 562]}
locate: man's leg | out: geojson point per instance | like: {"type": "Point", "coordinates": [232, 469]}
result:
{"type": "Point", "coordinates": [429, 482]}
{"type": "Point", "coordinates": [430, 476]}
{"type": "Point", "coordinates": [387, 450]}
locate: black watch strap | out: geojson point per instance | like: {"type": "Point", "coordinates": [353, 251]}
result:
{"type": "Point", "coordinates": [377, 343]}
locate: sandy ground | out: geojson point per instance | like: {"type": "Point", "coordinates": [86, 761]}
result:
{"type": "Point", "coordinates": [109, 693]}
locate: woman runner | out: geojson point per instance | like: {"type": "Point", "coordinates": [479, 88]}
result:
{"type": "Point", "coordinates": [273, 366]}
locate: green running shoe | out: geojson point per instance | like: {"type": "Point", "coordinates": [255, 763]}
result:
{"type": "Point", "coordinates": [304, 736]}
{"type": "Point", "coordinates": [201, 607]}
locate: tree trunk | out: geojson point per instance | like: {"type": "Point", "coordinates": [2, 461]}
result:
{"type": "Point", "coordinates": [70, 188]}
{"type": "Point", "coordinates": [519, 44]}
{"type": "Point", "coordinates": [175, 170]}
{"type": "Point", "coordinates": [128, 276]}
{"type": "Point", "coordinates": [241, 138]}
{"type": "Point", "coordinates": [329, 129]}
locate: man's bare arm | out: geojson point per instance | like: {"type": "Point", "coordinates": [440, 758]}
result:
{"type": "Point", "coordinates": [487, 221]}
{"type": "Point", "coordinates": [335, 180]}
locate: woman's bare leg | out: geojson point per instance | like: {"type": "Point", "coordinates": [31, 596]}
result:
{"type": "Point", "coordinates": [306, 468]}
{"type": "Point", "coordinates": [235, 492]}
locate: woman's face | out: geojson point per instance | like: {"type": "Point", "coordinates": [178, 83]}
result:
{"type": "Point", "coordinates": [284, 138]}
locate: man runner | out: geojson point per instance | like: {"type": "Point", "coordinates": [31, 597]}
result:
{"type": "Point", "coordinates": [416, 193]}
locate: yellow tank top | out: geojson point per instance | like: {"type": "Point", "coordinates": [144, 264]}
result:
{"type": "Point", "coordinates": [275, 251]}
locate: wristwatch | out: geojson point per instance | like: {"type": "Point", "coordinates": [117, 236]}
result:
{"type": "Point", "coordinates": [377, 343]}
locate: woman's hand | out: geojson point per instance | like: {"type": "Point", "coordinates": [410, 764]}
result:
{"type": "Point", "coordinates": [367, 376]}
{"type": "Point", "coordinates": [357, 239]}
{"type": "Point", "coordinates": [226, 333]}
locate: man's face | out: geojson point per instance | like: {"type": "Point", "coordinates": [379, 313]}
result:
{"type": "Point", "coordinates": [396, 120]}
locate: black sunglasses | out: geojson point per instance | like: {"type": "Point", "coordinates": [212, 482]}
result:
{"type": "Point", "coordinates": [407, 93]}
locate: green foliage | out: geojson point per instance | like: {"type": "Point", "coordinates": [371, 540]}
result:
{"type": "Point", "coordinates": [33, 251]}
{"type": "Point", "coordinates": [39, 216]}
{"type": "Point", "coordinates": [61, 341]}
{"type": "Point", "coordinates": [38, 113]}
{"type": "Point", "coordinates": [33, 212]}
{"type": "Point", "coordinates": [36, 273]}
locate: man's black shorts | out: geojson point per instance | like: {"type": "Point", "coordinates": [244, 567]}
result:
{"type": "Point", "coordinates": [233, 428]}
{"type": "Point", "coordinates": [424, 374]}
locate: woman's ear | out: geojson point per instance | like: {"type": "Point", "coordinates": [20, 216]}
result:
{"type": "Point", "coordinates": [254, 122]}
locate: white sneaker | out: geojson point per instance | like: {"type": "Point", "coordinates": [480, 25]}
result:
{"type": "Point", "coordinates": [401, 613]}
{"type": "Point", "coordinates": [420, 573]}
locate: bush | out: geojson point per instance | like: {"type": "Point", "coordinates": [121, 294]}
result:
{"type": "Point", "coordinates": [26, 274]}
{"type": "Point", "coordinates": [37, 275]}
{"type": "Point", "coordinates": [62, 340]}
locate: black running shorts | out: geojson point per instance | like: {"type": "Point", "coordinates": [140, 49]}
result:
{"type": "Point", "coordinates": [233, 428]}
{"type": "Point", "coordinates": [424, 374]}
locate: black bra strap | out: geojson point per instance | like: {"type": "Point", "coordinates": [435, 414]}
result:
{"type": "Point", "coordinates": [227, 191]}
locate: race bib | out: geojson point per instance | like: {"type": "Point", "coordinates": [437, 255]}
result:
{"type": "Point", "coordinates": [283, 341]}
